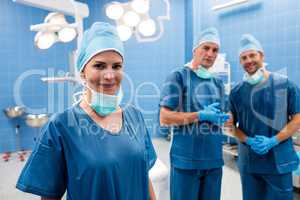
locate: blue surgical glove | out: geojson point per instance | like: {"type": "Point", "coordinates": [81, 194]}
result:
{"type": "Point", "coordinates": [263, 144]}
{"type": "Point", "coordinates": [214, 107]}
{"type": "Point", "coordinates": [222, 116]}
{"type": "Point", "coordinates": [250, 141]}
{"type": "Point", "coordinates": [212, 114]}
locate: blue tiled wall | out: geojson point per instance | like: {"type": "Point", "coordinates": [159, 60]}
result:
{"type": "Point", "coordinates": [189, 27]}
{"type": "Point", "coordinates": [20, 58]}
{"type": "Point", "coordinates": [147, 64]}
{"type": "Point", "coordinates": [273, 22]}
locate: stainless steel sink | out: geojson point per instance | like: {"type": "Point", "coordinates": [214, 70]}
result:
{"type": "Point", "coordinates": [36, 120]}
{"type": "Point", "coordinates": [13, 112]}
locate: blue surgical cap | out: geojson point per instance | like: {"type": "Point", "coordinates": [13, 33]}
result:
{"type": "Point", "coordinates": [248, 42]}
{"type": "Point", "coordinates": [208, 35]}
{"type": "Point", "coordinates": [99, 38]}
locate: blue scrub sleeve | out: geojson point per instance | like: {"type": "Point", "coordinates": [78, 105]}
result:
{"type": "Point", "coordinates": [150, 151]}
{"type": "Point", "coordinates": [151, 155]}
{"type": "Point", "coordinates": [45, 171]}
{"type": "Point", "coordinates": [293, 99]}
{"type": "Point", "coordinates": [171, 92]}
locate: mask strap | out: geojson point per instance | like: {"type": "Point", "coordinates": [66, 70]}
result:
{"type": "Point", "coordinates": [77, 97]}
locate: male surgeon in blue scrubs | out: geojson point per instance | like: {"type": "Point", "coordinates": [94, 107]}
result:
{"type": "Point", "coordinates": [266, 112]}
{"type": "Point", "coordinates": [192, 102]}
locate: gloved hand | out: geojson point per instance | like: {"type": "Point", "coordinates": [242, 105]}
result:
{"type": "Point", "coordinates": [214, 107]}
{"type": "Point", "coordinates": [250, 141]}
{"type": "Point", "coordinates": [212, 114]}
{"type": "Point", "coordinates": [263, 144]}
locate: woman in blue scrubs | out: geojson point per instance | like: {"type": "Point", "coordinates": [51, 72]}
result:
{"type": "Point", "coordinates": [96, 149]}
{"type": "Point", "coordinates": [266, 113]}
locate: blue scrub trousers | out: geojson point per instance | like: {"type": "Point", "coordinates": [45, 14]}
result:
{"type": "Point", "coordinates": [267, 186]}
{"type": "Point", "coordinates": [194, 184]}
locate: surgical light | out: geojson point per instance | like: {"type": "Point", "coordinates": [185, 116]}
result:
{"type": "Point", "coordinates": [147, 27]}
{"type": "Point", "coordinates": [124, 32]}
{"type": "Point", "coordinates": [114, 11]}
{"type": "Point", "coordinates": [131, 18]}
{"type": "Point", "coordinates": [44, 40]}
{"type": "Point", "coordinates": [140, 6]}
{"type": "Point", "coordinates": [54, 29]}
{"type": "Point", "coordinates": [55, 18]}
{"type": "Point", "coordinates": [67, 34]}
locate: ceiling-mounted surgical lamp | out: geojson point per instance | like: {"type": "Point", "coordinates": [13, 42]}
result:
{"type": "Point", "coordinates": [133, 18]}
{"type": "Point", "coordinates": [44, 40]}
{"type": "Point", "coordinates": [130, 17]}
{"type": "Point", "coordinates": [55, 18]}
{"type": "Point", "coordinates": [67, 34]}
{"type": "Point", "coordinates": [124, 32]}
{"type": "Point", "coordinates": [140, 6]}
{"type": "Point", "coordinates": [73, 8]}
{"type": "Point", "coordinates": [147, 27]}
{"type": "Point", "coordinates": [54, 29]}
{"type": "Point", "coordinates": [114, 11]}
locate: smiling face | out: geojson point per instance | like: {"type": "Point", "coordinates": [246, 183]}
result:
{"type": "Point", "coordinates": [251, 61]}
{"type": "Point", "coordinates": [104, 72]}
{"type": "Point", "coordinates": [206, 54]}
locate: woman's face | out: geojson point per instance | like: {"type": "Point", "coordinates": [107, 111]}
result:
{"type": "Point", "coordinates": [104, 72]}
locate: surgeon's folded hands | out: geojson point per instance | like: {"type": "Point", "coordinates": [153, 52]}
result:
{"type": "Point", "coordinates": [213, 114]}
{"type": "Point", "coordinates": [261, 144]}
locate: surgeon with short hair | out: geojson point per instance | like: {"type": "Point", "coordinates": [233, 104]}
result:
{"type": "Point", "coordinates": [266, 113]}
{"type": "Point", "coordinates": [97, 149]}
{"type": "Point", "coordinates": [192, 103]}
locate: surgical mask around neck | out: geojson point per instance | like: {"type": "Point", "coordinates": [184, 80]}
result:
{"type": "Point", "coordinates": [204, 73]}
{"type": "Point", "coordinates": [255, 78]}
{"type": "Point", "coordinates": [105, 104]}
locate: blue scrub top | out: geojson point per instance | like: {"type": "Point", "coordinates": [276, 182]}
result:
{"type": "Point", "coordinates": [265, 109]}
{"type": "Point", "coordinates": [197, 145]}
{"type": "Point", "coordinates": [76, 154]}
